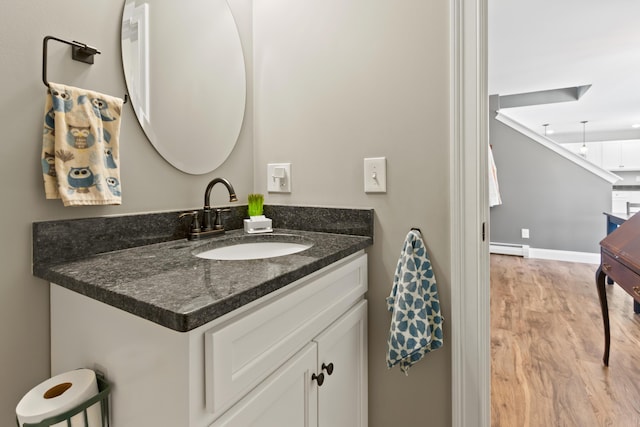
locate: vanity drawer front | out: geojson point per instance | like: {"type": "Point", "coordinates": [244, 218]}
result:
{"type": "Point", "coordinates": [243, 352]}
{"type": "Point", "coordinates": [622, 275]}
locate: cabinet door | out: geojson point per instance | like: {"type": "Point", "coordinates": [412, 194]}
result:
{"type": "Point", "coordinates": [342, 398]}
{"type": "Point", "coordinates": [630, 154]}
{"type": "Point", "coordinates": [240, 354]}
{"type": "Point", "coordinates": [289, 397]}
{"type": "Point", "coordinates": [594, 153]}
{"type": "Point", "coordinates": [611, 159]}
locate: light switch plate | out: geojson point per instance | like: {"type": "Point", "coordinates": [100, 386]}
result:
{"type": "Point", "coordinates": [279, 177]}
{"type": "Point", "coordinates": [375, 175]}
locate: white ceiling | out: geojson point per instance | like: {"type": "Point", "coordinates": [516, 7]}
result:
{"type": "Point", "coordinates": [539, 45]}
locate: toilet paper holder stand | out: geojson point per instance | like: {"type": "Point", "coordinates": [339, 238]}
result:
{"type": "Point", "coordinates": [104, 388]}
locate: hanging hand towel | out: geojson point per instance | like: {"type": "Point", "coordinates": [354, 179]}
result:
{"type": "Point", "coordinates": [494, 188]}
{"type": "Point", "coordinates": [416, 321]}
{"type": "Point", "coordinates": [80, 160]}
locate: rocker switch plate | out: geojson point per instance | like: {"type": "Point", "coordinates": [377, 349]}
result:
{"type": "Point", "coordinates": [279, 177]}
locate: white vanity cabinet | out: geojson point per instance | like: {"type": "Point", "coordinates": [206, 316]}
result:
{"type": "Point", "coordinates": [258, 365]}
{"type": "Point", "coordinates": [293, 396]}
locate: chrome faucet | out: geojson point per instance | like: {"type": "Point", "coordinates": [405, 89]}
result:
{"type": "Point", "coordinates": [207, 230]}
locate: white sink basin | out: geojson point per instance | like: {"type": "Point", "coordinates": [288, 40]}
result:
{"type": "Point", "coordinates": [254, 249]}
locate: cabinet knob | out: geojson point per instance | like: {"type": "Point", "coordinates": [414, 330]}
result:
{"type": "Point", "coordinates": [328, 368]}
{"type": "Point", "coordinates": [319, 378]}
{"type": "Point", "coordinates": [606, 267]}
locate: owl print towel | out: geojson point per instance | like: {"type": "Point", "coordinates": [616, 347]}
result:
{"type": "Point", "coordinates": [416, 320]}
{"type": "Point", "coordinates": [80, 155]}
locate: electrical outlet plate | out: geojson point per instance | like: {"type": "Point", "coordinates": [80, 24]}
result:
{"type": "Point", "coordinates": [525, 233]}
{"type": "Point", "coordinates": [279, 177]}
{"type": "Point", "coordinates": [375, 175]}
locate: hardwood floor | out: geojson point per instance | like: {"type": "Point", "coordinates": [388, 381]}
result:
{"type": "Point", "coordinates": [547, 342]}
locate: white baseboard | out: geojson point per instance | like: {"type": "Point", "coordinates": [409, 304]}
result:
{"type": "Point", "coordinates": [552, 254]}
{"type": "Point", "coordinates": [570, 256]}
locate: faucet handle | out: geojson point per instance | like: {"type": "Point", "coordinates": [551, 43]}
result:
{"type": "Point", "coordinates": [195, 223]}
{"type": "Point", "coordinates": [218, 221]}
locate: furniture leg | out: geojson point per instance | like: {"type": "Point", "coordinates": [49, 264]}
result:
{"type": "Point", "coordinates": [602, 295]}
{"type": "Point", "coordinates": [611, 226]}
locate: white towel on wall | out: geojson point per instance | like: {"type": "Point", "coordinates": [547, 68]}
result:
{"type": "Point", "coordinates": [494, 188]}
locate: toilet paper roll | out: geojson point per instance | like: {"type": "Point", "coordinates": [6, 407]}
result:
{"type": "Point", "coordinates": [58, 395]}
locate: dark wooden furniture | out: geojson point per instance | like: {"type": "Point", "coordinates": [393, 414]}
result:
{"type": "Point", "coordinates": [614, 220]}
{"type": "Point", "coordinates": [620, 260]}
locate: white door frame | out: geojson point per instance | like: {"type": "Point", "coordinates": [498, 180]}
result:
{"type": "Point", "coordinates": [470, 325]}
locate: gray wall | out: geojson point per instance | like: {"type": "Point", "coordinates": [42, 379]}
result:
{"type": "Point", "coordinates": [336, 81]}
{"type": "Point", "coordinates": [558, 201]}
{"type": "Point", "coordinates": [148, 182]}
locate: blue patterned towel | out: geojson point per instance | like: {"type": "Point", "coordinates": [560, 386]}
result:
{"type": "Point", "coordinates": [80, 146]}
{"type": "Point", "coordinates": [416, 321]}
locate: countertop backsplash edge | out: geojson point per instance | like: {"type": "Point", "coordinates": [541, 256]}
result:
{"type": "Point", "coordinates": [71, 239]}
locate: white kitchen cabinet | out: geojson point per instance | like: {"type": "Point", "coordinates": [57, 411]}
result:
{"type": "Point", "coordinates": [594, 153]}
{"type": "Point", "coordinates": [621, 155]}
{"type": "Point", "coordinates": [253, 366]}
{"type": "Point", "coordinates": [620, 199]}
{"type": "Point", "coordinates": [630, 155]}
{"type": "Point", "coordinates": [611, 159]}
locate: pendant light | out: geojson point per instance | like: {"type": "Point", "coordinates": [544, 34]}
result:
{"type": "Point", "coordinates": [584, 149]}
{"type": "Point", "coordinates": [545, 128]}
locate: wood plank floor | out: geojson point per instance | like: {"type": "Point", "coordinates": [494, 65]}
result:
{"type": "Point", "coordinates": [547, 342]}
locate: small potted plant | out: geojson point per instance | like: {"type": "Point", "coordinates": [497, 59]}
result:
{"type": "Point", "coordinates": [255, 205]}
{"type": "Point", "coordinates": [257, 223]}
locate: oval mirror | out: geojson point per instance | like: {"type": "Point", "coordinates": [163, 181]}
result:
{"type": "Point", "coordinates": [185, 73]}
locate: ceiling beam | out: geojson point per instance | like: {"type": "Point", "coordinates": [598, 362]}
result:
{"type": "Point", "coordinates": [543, 97]}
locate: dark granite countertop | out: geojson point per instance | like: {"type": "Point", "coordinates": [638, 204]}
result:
{"type": "Point", "coordinates": [166, 284]}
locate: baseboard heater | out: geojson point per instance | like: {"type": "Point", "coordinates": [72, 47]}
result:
{"type": "Point", "coordinates": [509, 249]}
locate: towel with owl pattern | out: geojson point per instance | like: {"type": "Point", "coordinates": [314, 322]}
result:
{"type": "Point", "coordinates": [80, 147]}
